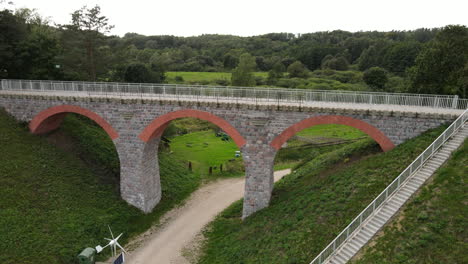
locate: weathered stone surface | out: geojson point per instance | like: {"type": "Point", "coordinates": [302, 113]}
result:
{"type": "Point", "coordinates": [254, 128]}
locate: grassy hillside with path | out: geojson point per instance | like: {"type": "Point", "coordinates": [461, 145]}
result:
{"type": "Point", "coordinates": [310, 206]}
{"type": "Point", "coordinates": [433, 227]}
{"type": "Point", "coordinates": [53, 205]}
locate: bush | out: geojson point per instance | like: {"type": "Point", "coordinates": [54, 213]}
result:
{"type": "Point", "coordinates": [179, 79]}
{"type": "Point", "coordinates": [376, 78]}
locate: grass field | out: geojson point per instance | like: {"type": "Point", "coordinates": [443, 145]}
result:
{"type": "Point", "coordinates": [433, 227]}
{"type": "Point", "coordinates": [204, 150]}
{"type": "Point", "coordinates": [310, 206]}
{"type": "Point", "coordinates": [53, 204]}
{"type": "Point", "coordinates": [204, 77]}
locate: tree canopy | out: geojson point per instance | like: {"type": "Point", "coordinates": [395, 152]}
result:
{"type": "Point", "coordinates": [429, 60]}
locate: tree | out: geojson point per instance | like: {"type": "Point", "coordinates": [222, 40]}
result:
{"type": "Point", "coordinates": [243, 73]}
{"type": "Point", "coordinates": [297, 69]}
{"type": "Point", "coordinates": [338, 63]}
{"type": "Point", "coordinates": [13, 31]}
{"type": "Point", "coordinates": [275, 73]}
{"type": "Point", "coordinates": [441, 66]}
{"type": "Point", "coordinates": [376, 78]}
{"type": "Point", "coordinates": [137, 73]}
{"type": "Point", "coordinates": [401, 56]}
{"type": "Point", "coordinates": [141, 73]}
{"type": "Point", "coordinates": [90, 25]}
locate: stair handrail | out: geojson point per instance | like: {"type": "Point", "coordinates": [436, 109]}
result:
{"type": "Point", "coordinates": [390, 189]}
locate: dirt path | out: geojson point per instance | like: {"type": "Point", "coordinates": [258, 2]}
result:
{"type": "Point", "coordinates": [182, 224]}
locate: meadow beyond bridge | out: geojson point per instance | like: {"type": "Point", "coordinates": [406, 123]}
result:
{"type": "Point", "coordinates": [259, 120]}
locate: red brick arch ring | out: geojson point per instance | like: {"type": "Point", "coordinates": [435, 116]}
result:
{"type": "Point", "coordinates": [156, 128]}
{"type": "Point", "coordinates": [51, 118]}
{"type": "Point", "coordinates": [384, 142]}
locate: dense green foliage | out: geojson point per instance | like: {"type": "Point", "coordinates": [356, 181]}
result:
{"type": "Point", "coordinates": [53, 204]}
{"type": "Point", "coordinates": [310, 206]}
{"type": "Point", "coordinates": [437, 57]}
{"type": "Point", "coordinates": [432, 228]}
{"type": "Point", "coordinates": [442, 66]}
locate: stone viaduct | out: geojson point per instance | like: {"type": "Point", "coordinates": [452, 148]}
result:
{"type": "Point", "coordinates": [136, 124]}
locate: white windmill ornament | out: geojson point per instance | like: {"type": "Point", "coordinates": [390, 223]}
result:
{"type": "Point", "coordinates": [113, 243]}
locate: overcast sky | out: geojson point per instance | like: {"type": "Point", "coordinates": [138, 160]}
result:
{"type": "Point", "coordinates": [255, 17]}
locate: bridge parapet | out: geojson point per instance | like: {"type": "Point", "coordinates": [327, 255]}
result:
{"type": "Point", "coordinates": [238, 95]}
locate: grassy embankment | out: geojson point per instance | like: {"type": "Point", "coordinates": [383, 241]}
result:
{"type": "Point", "coordinates": [433, 227]}
{"type": "Point", "coordinates": [310, 206]}
{"type": "Point", "coordinates": [54, 204]}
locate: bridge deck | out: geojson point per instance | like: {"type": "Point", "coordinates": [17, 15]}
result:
{"type": "Point", "coordinates": [242, 101]}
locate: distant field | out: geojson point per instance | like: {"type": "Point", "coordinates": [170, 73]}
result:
{"type": "Point", "coordinates": [204, 77]}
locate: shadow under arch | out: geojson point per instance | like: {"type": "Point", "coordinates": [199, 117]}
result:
{"type": "Point", "coordinates": [51, 118]}
{"type": "Point", "coordinates": [385, 143]}
{"type": "Point", "coordinates": [157, 126]}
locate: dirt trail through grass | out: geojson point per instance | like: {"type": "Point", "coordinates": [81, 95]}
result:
{"type": "Point", "coordinates": [180, 226]}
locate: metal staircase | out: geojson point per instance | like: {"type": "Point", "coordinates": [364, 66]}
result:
{"type": "Point", "coordinates": [385, 206]}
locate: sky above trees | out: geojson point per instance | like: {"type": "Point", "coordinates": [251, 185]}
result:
{"type": "Point", "coordinates": [255, 17]}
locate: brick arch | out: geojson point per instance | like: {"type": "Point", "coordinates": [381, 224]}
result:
{"type": "Point", "coordinates": [156, 128]}
{"type": "Point", "coordinates": [385, 143]}
{"type": "Point", "coordinates": [51, 118]}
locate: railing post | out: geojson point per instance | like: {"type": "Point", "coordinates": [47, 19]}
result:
{"type": "Point", "coordinates": [455, 101]}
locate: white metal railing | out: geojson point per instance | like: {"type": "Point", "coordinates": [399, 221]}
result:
{"type": "Point", "coordinates": [391, 188]}
{"type": "Point", "coordinates": [232, 93]}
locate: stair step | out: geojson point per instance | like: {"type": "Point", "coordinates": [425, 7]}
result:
{"type": "Point", "coordinates": [360, 240]}
{"type": "Point", "coordinates": [417, 180]}
{"type": "Point", "coordinates": [370, 228]}
{"type": "Point", "coordinates": [413, 184]}
{"type": "Point", "coordinates": [347, 253]}
{"type": "Point", "coordinates": [364, 238]}
{"type": "Point", "coordinates": [375, 224]}
{"type": "Point", "coordinates": [354, 246]}
{"type": "Point", "coordinates": [379, 220]}
{"type": "Point", "coordinates": [392, 206]}
{"type": "Point", "coordinates": [399, 200]}
{"type": "Point", "coordinates": [411, 188]}
{"type": "Point", "coordinates": [339, 259]}
{"type": "Point", "coordinates": [403, 198]}
{"type": "Point", "coordinates": [406, 192]}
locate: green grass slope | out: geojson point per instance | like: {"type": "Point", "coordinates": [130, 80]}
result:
{"type": "Point", "coordinates": [53, 205]}
{"type": "Point", "coordinates": [309, 207]}
{"type": "Point", "coordinates": [433, 227]}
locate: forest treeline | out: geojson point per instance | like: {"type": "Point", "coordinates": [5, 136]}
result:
{"type": "Point", "coordinates": [423, 60]}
